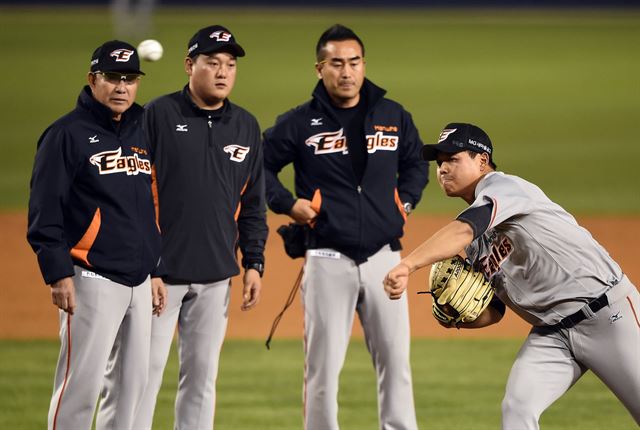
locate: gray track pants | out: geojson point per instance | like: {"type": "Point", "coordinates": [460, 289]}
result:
{"type": "Point", "coordinates": [333, 289]}
{"type": "Point", "coordinates": [200, 310]}
{"type": "Point", "coordinates": [104, 345]}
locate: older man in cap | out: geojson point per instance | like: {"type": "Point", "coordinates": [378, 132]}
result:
{"type": "Point", "coordinates": [92, 225]}
{"type": "Point", "coordinates": [211, 201]}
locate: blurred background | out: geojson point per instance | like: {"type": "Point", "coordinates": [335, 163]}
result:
{"type": "Point", "coordinates": [557, 89]}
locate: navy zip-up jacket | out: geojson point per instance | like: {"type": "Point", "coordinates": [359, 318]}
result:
{"type": "Point", "coordinates": [210, 181]}
{"type": "Point", "coordinates": [354, 218]}
{"type": "Point", "coordinates": [91, 203]}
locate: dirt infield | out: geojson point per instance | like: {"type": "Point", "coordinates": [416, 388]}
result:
{"type": "Point", "coordinates": [27, 311]}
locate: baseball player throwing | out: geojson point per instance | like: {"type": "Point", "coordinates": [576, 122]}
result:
{"type": "Point", "coordinates": [545, 267]}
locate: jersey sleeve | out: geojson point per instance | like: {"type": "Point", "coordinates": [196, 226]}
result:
{"type": "Point", "coordinates": [252, 219]}
{"type": "Point", "coordinates": [279, 150]}
{"type": "Point", "coordinates": [508, 200]}
{"type": "Point", "coordinates": [478, 217]}
{"type": "Point", "coordinates": [498, 305]}
{"type": "Point", "coordinates": [413, 171]}
{"type": "Point", "coordinates": [53, 172]}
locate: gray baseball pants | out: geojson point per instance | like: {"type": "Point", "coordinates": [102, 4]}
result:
{"type": "Point", "coordinates": [200, 311]}
{"type": "Point", "coordinates": [104, 345]}
{"type": "Point", "coordinates": [334, 288]}
{"type": "Point", "coordinates": [551, 361]}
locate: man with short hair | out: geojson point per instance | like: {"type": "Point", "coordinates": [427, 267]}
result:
{"type": "Point", "coordinates": [546, 268]}
{"type": "Point", "coordinates": [92, 224]}
{"type": "Point", "coordinates": [358, 174]}
{"type": "Point", "coordinates": [208, 172]}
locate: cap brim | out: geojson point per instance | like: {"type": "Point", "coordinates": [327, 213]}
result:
{"type": "Point", "coordinates": [232, 48]}
{"type": "Point", "coordinates": [430, 152]}
{"type": "Point", "coordinates": [139, 72]}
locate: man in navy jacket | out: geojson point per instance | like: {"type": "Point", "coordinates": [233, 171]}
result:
{"type": "Point", "coordinates": [358, 174]}
{"type": "Point", "coordinates": [92, 225]}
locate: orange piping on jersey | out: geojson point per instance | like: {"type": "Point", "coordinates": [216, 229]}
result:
{"type": "Point", "coordinates": [237, 214]}
{"type": "Point", "coordinates": [495, 211]}
{"type": "Point", "coordinates": [154, 192]}
{"type": "Point", "coordinates": [396, 196]}
{"type": "Point", "coordinates": [81, 250]}
{"type": "Point", "coordinates": [305, 348]}
{"type": "Point", "coordinates": [66, 373]}
{"type": "Point", "coordinates": [634, 311]}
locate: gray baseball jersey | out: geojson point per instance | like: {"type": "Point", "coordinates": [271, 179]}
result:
{"type": "Point", "coordinates": [546, 267]}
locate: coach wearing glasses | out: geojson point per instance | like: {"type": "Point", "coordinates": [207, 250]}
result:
{"type": "Point", "coordinates": [92, 225]}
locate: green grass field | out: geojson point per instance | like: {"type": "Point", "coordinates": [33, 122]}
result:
{"type": "Point", "coordinates": [556, 90]}
{"type": "Point", "coordinates": [261, 390]}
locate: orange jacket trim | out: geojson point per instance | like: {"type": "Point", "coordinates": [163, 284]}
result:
{"type": "Point", "coordinates": [81, 250]}
{"type": "Point", "coordinates": [237, 214]}
{"type": "Point", "coordinates": [399, 204]}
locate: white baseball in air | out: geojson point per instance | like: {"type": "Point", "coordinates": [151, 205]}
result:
{"type": "Point", "coordinates": [150, 50]}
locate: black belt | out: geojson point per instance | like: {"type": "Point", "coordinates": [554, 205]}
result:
{"type": "Point", "coordinates": [575, 318]}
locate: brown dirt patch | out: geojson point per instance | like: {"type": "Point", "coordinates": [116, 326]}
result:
{"type": "Point", "coordinates": [27, 311]}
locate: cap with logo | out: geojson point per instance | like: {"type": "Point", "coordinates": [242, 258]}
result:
{"type": "Point", "coordinates": [458, 137]}
{"type": "Point", "coordinates": [214, 38]}
{"type": "Point", "coordinates": [115, 56]}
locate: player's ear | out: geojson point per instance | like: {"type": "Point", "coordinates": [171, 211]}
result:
{"type": "Point", "coordinates": [319, 69]}
{"type": "Point", "coordinates": [484, 161]}
{"type": "Point", "coordinates": [91, 79]}
{"type": "Point", "coordinates": [188, 65]}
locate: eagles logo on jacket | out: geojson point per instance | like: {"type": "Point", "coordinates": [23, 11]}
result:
{"type": "Point", "coordinates": [356, 219]}
{"type": "Point", "coordinates": [91, 203]}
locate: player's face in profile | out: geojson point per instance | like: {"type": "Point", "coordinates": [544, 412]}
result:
{"type": "Point", "coordinates": [116, 94]}
{"type": "Point", "coordinates": [211, 77]}
{"type": "Point", "coordinates": [458, 173]}
{"type": "Point", "coordinates": [342, 71]}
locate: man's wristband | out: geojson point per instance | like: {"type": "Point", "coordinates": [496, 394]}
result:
{"type": "Point", "coordinates": [258, 267]}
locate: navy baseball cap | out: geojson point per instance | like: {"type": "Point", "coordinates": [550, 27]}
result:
{"type": "Point", "coordinates": [214, 38]}
{"type": "Point", "coordinates": [458, 137]}
{"type": "Point", "coordinates": [116, 56]}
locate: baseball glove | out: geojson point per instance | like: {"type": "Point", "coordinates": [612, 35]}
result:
{"type": "Point", "coordinates": [459, 293]}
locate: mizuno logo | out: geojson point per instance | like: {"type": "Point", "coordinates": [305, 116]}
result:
{"type": "Point", "coordinates": [316, 121]}
{"type": "Point", "coordinates": [615, 317]}
{"type": "Point", "coordinates": [181, 127]}
{"type": "Point", "coordinates": [94, 139]}
{"type": "Point", "coordinates": [109, 162]}
{"type": "Point", "coordinates": [236, 153]}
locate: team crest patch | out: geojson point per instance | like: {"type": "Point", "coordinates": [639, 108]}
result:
{"type": "Point", "coordinates": [328, 142]}
{"type": "Point", "coordinates": [220, 36]}
{"type": "Point", "coordinates": [445, 133]}
{"type": "Point", "coordinates": [236, 153]}
{"type": "Point", "coordinates": [121, 55]}
{"type": "Point", "coordinates": [109, 162]}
